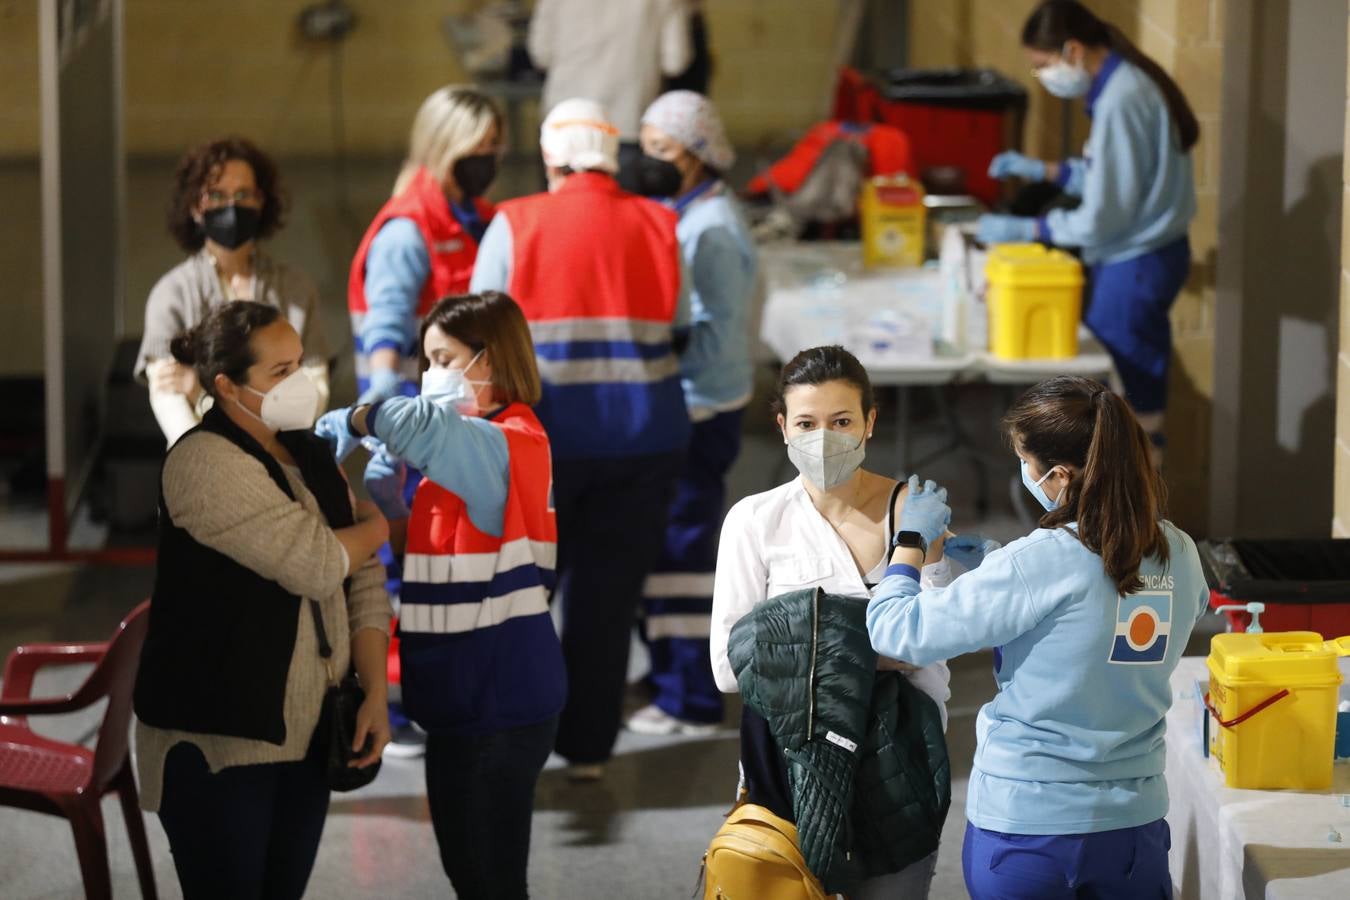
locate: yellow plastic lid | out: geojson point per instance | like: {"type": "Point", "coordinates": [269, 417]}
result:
{"type": "Point", "coordinates": [1032, 264]}
{"type": "Point", "coordinates": [1283, 658]}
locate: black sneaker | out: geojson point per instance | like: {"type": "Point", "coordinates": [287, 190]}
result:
{"type": "Point", "coordinates": [408, 742]}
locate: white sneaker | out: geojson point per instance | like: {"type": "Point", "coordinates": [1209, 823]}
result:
{"type": "Point", "coordinates": [652, 719]}
{"type": "Point", "coordinates": [408, 742]}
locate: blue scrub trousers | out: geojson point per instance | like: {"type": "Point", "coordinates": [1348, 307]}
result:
{"type": "Point", "coordinates": [1128, 312]}
{"type": "Point", "coordinates": [679, 591]}
{"type": "Point", "coordinates": [1124, 864]}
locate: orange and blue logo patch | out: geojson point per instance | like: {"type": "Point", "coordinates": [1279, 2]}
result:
{"type": "Point", "coordinates": [1143, 625]}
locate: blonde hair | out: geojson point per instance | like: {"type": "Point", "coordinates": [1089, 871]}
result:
{"type": "Point", "coordinates": [451, 122]}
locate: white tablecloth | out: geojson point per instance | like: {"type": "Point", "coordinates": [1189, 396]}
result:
{"type": "Point", "coordinates": [820, 293]}
{"type": "Point", "coordinates": [1229, 843]}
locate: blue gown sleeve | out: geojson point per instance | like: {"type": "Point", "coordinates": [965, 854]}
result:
{"type": "Point", "coordinates": [722, 280]}
{"type": "Point", "coordinates": [397, 266]}
{"type": "Point", "coordinates": [1117, 176]}
{"type": "Point", "coordinates": [466, 455]}
{"type": "Point", "coordinates": [986, 607]}
{"type": "Point", "coordinates": [492, 266]}
{"type": "Point", "coordinates": [1072, 173]}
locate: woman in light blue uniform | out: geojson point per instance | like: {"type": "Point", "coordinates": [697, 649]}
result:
{"type": "Point", "coordinates": [1088, 616]}
{"type": "Point", "coordinates": [1137, 190]}
{"type": "Point", "coordinates": [685, 156]}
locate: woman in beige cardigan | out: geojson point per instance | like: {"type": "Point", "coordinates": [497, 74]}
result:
{"type": "Point", "coordinates": [263, 558]}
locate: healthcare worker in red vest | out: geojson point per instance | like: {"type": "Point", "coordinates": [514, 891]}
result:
{"type": "Point", "coordinates": [482, 668]}
{"type": "Point", "coordinates": [422, 243]}
{"type": "Point", "coordinates": [419, 248]}
{"type": "Point", "coordinates": [597, 272]}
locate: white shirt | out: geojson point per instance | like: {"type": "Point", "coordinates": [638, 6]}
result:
{"type": "Point", "coordinates": [613, 51]}
{"type": "Point", "coordinates": [776, 542]}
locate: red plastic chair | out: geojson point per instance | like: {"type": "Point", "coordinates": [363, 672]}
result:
{"type": "Point", "coordinates": [68, 780]}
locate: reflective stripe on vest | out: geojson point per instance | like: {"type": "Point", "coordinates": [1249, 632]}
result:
{"type": "Point", "coordinates": [457, 578]}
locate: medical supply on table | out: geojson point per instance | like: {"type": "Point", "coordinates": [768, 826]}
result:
{"type": "Point", "coordinates": [892, 217]}
{"type": "Point", "coordinates": [1273, 697]}
{"type": "Point", "coordinates": [1303, 584]}
{"type": "Point", "coordinates": [1253, 610]}
{"type": "Point", "coordinates": [965, 315]}
{"type": "Point", "coordinates": [1035, 297]}
{"type": "Point", "coordinates": [890, 336]}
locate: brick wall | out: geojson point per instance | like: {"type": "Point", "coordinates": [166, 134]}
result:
{"type": "Point", "coordinates": [195, 70]}
{"type": "Point", "coordinates": [1185, 37]}
{"type": "Point", "coordinates": [1340, 526]}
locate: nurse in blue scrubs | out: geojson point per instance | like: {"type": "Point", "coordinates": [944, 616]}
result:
{"type": "Point", "coordinates": [1137, 188]}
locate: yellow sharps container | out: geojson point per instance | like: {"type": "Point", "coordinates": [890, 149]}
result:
{"type": "Point", "coordinates": [1273, 696]}
{"type": "Point", "coordinates": [1035, 299]}
{"type": "Point", "coordinates": [892, 216]}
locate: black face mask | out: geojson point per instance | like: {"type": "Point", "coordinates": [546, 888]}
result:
{"type": "Point", "coordinates": [475, 174]}
{"type": "Point", "coordinates": [657, 177]}
{"type": "Point", "coordinates": [231, 226]}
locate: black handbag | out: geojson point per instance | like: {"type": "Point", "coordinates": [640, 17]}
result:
{"type": "Point", "coordinates": [331, 745]}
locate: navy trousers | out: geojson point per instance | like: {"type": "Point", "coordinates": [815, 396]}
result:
{"type": "Point", "coordinates": [678, 594]}
{"type": "Point", "coordinates": [245, 832]}
{"type": "Point", "coordinates": [611, 521]}
{"type": "Point", "coordinates": [481, 792]}
{"type": "Point", "coordinates": [1128, 313]}
{"type": "Point", "coordinates": [1124, 864]}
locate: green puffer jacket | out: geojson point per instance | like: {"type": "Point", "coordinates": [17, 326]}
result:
{"type": "Point", "coordinates": [867, 760]}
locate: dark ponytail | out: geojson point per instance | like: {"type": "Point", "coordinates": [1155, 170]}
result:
{"type": "Point", "coordinates": [1117, 498]}
{"type": "Point", "coordinates": [1055, 22]}
{"type": "Point", "coordinates": [819, 365]}
{"type": "Point", "coordinates": [220, 344]}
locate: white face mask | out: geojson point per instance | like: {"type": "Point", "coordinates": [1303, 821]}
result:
{"type": "Point", "coordinates": [290, 405]}
{"type": "Point", "coordinates": [826, 458]}
{"type": "Point", "coordinates": [451, 388]}
{"type": "Point", "coordinates": [1064, 79]}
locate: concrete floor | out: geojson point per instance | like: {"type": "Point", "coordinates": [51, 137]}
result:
{"type": "Point", "coordinates": [638, 834]}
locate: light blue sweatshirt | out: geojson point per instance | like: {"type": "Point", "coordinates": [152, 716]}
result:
{"type": "Point", "coordinates": [466, 455]}
{"type": "Point", "coordinates": [397, 265]}
{"type": "Point", "coordinates": [1073, 743]}
{"type": "Point", "coordinates": [1136, 182]}
{"type": "Point", "coordinates": [715, 368]}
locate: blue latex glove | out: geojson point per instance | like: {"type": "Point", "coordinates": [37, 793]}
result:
{"type": "Point", "coordinates": [384, 483]}
{"type": "Point", "coordinates": [926, 510]}
{"type": "Point", "coordinates": [970, 549]}
{"type": "Point", "coordinates": [384, 383]}
{"type": "Point", "coordinates": [332, 427]}
{"type": "Point", "coordinates": [1011, 164]}
{"type": "Point", "coordinates": [995, 229]}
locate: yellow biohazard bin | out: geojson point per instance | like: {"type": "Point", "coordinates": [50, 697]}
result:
{"type": "Point", "coordinates": [892, 217]}
{"type": "Point", "coordinates": [1273, 697]}
{"type": "Point", "coordinates": [1035, 299]}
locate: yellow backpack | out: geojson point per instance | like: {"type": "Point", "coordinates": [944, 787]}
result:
{"type": "Point", "coordinates": [754, 856]}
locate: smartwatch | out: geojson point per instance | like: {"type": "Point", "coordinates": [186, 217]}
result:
{"type": "Point", "coordinates": [912, 540]}
{"type": "Point", "coordinates": [351, 416]}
